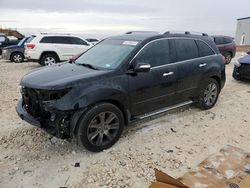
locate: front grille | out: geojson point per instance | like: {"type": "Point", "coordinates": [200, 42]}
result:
{"type": "Point", "coordinates": [32, 102]}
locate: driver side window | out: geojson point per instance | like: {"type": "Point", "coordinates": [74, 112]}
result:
{"type": "Point", "coordinates": [155, 54]}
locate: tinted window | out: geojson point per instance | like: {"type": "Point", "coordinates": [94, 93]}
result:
{"type": "Point", "coordinates": [156, 53]}
{"type": "Point", "coordinates": [222, 40]}
{"type": "Point", "coordinates": [62, 40]}
{"type": "Point", "coordinates": [92, 40]}
{"type": "Point", "coordinates": [56, 40]}
{"type": "Point", "coordinates": [78, 41]}
{"type": "Point", "coordinates": [47, 40]}
{"type": "Point", "coordinates": [204, 49]}
{"type": "Point", "coordinates": [228, 40]}
{"type": "Point", "coordinates": [186, 49]}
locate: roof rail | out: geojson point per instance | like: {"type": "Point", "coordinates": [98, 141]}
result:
{"type": "Point", "coordinates": [148, 32]}
{"type": "Point", "coordinates": [43, 33]}
{"type": "Point", "coordinates": [185, 32]}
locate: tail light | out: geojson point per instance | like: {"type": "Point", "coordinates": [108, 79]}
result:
{"type": "Point", "coordinates": [30, 46]}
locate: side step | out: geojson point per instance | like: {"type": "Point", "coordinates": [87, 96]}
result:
{"type": "Point", "coordinates": [164, 110]}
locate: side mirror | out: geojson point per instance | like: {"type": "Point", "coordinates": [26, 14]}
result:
{"type": "Point", "coordinates": [142, 67]}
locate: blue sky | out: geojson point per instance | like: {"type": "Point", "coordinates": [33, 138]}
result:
{"type": "Point", "coordinates": [102, 18]}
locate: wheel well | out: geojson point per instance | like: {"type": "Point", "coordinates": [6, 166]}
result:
{"type": "Point", "coordinates": [16, 52]}
{"type": "Point", "coordinates": [49, 52]}
{"type": "Point", "coordinates": [217, 79]}
{"type": "Point", "coordinates": [231, 53]}
{"type": "Point", "coordinates": [121, 107]}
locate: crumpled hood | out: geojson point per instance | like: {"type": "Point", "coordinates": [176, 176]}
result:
{"type": "Point", "coordinates": [245, 59]}
{"type": "Point", "coordinates": [59, 76]}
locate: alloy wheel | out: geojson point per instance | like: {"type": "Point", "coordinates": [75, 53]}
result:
{"type": "Point", "coordinates": [17, 58]}
{"type": "Point", "coordinates": [49, 61]}
{"type": "Point", "coordinates": [103, 128]}
{"type": "Point", "coordinates": [210, 94]}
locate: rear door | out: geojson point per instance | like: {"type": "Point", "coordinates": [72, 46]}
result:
{"type": "Point", "coordinates": [63, 47]}
{"type": "Point", "coordinates": [155, 89]}
{"type": "Point", "coordinates": [191, 64]}
{"type": "Point", "coordinates": [188, 65]}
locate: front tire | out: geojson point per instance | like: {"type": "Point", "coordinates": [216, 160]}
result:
{"type": "Point", "coordinates": [100, 127]}
{"type": "Point", "coordinates": [17, 57]}
{"type": "Point", "coordinates": [48, 59]}
{"type": "Point", "coordinates": [209, 94]}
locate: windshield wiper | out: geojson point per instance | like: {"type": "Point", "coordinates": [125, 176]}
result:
{"type": "Point", "coordinates": [89, 66]}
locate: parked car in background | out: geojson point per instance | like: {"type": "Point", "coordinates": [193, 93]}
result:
{"type": "Point", "coordinates": [120, 80]}
{"type": "Point", "coordinates": [15, 53]}
{"type": "Point", "coordinates": [7, 41]}
{"type": "Point", "coordinates": [48, 49]}
{"type": "Point", "coordinates": [93, 41]}
{"type": "Point", "coordinates": [226, 46]}
{"type": "Point", "coordinates": [242, 68]}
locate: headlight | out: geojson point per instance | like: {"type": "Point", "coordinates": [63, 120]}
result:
{"type": "Point", "coordinates": [237, 64]}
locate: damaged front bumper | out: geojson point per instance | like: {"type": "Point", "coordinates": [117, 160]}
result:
{"type": "Point", "coordinates": [58, 126]}
{"type": "Point", "coordinates": [24, 115]}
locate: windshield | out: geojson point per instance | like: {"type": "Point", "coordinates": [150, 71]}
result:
{"type": "Point", "coordinates": [108, 54]}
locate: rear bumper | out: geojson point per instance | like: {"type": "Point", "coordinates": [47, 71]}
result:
{"type": "Point", "coordinates": [24, 115]}
{"type": "Point", "coordinates": [31, 55]}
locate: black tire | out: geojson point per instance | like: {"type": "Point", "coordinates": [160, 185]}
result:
{"type": "Point", "coordinates": [95, 135]}
{"type": "Point", "coordinates": [209, 96]}
{"type": "Point", "coordinates": [228, 57]}
{"type": "Point", "coordinates": [17, 57]}
{"type": "Point", "coordinates": [236, 76]}
{"type": "Point", "coordinates": [48, 56]}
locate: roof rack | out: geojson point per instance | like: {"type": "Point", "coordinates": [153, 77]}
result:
{"type": "Point", "coordinates": [43, 33]}
{"type": "Point", "coordinates": [185, 32]}
{"type": "Point", "coordinates": [147, 32]}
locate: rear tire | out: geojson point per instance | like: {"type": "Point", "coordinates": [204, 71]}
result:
{"type": "Point", "coordinates": [228, 58]}
{"type": "Point", "coordinates": [209, 94]}
{"type": "Point", "coordinates": [17, 57]}
{"type": "Point", "coordinates": [100, 127]}
{"type": "Point", "coordinates": [49, 59]}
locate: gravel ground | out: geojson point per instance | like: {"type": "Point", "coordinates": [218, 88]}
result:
{"type": "Point", "coordinates": [174, 142]}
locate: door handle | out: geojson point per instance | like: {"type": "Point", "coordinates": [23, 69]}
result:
{"type": "Point", "coordinates": [168, 74]}
{"type": "Point", "coordinates": [203, 65]}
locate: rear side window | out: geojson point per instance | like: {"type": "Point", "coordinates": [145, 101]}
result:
{"type": "Point", "coordinates": [156, 53]}
{"type": "Point", "coordinates": [186, 49]}
{"type": "Point", "coordinates": [46, 40]}
{"type": "Point", "coordinates": [56, 40]}
{"type": "Point", "coordinates": [78, 41]}
{"type": "Point", "coordinates": [222, 40]}
{"type": "Point", "coordinates": [228, 40]}
{"type": "Point", "coordinates": [62, 40]}
{"type": "Point", "coordinates": [204, 49]}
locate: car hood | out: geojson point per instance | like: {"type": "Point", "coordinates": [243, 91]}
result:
{"type": "Point", "coordinates": [12, 47]}
{"type": "Point", "coordinates": [245, 59]}
{"type": "Point", "coordinates": [59, 76]}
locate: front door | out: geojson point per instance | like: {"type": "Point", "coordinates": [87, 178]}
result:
{"type": "Point", "coordinates": [155, 89]}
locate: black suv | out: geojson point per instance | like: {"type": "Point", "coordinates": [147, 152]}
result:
{"type": "Point", "coordinates": [122, 79]}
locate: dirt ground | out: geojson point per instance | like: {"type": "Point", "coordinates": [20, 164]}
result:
{"type": "Point", "coordinates": [173, 143]}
